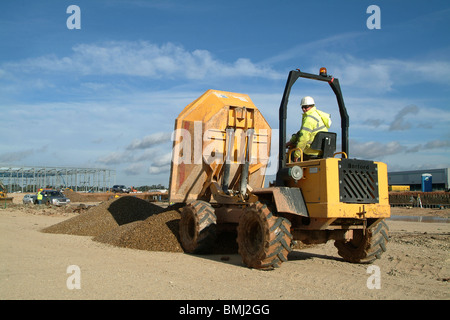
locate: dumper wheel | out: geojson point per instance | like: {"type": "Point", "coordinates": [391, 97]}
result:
{"type": "Point", "coordinates": [264, 240]}
{"type": "Point", "coordinates": [365, 248]}
{"type": "Point", "coordinates": [198, 227]}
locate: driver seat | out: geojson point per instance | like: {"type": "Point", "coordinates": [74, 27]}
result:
{"type": "Point", "coordinates": [324, 142]}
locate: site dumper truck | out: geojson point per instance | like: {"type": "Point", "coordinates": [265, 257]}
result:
{"type": "Point", "coordinates": [220, 158]}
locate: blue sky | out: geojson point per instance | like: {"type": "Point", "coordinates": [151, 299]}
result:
{"type": "Point", "coordinates": [107, 95]}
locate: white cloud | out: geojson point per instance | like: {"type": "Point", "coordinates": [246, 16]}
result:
{"type": "Point", "coordinates": [440, 145]}
{"type": "Point", "coordinates": [163, 159]}
{"type": "Point", "coordinates": [141, 59]}
{"type": "Point", "coordinates": [15, 156]}
{"type": "Point", "coordinates": [157, 170]}
{"type": "Point", "coordinates": [305, 49]}
{"type": "Point", "coordinates": [437, 144]}
{"type": "Point", "coordinates": [135, 169]}
{"type": "Point", "coordinates": [150, 141]}
{"type": "Point", "coordinates": [378, 74]}
{"type": "Point", "coordinates": [399, 122]}
{"type": "Point", "coordinates": [18, 156]}
{"type": "Point", "coordinates": [375, 149]}
{"type": "Point", "coordinates": [113, 158]}
{"type": "Point", "coordinates": [383, 75]}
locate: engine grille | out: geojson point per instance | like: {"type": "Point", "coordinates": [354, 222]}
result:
{"type": "Point", "coordinates": [358, 181]}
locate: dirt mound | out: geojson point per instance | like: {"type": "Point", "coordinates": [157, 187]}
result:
{"type": "Point", "coordinates": [158, 232]}
{"type": "Point", "coordinates": [73, 196]}
{"type": "Point", "coordinates": [49, 210]}
{"type": "Point", "coordinates": [131, 222]}
{"type": "Point", "coordinates": [87, 197]}
{"type": "Point", "coordinates": [106, 216]}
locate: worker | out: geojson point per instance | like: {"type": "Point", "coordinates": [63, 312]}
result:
{"type": "Point", "coordinates": [39, 197]}
{"type": "Point", "coordinates": [313, 121]}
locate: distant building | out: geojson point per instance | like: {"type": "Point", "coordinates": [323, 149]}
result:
{"type": "Point", "coordinates": [19, 178]}
{"type": "Point", "coordinates": [440, 179]}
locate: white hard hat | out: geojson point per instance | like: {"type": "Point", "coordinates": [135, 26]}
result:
{"type": "Point", "coordinates": [307, 101]}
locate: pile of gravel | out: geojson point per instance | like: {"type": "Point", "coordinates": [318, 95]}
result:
{"type": "Point", "coordinates": [106, 216]}
{"type": "Point", "coordinates": [158, 232]}
{"type": "Point", "coordinates": [130, 222]}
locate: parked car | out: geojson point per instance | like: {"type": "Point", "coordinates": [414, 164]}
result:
{"type": "Point", "coordinates": [29, 199]}
{"type": "Point", "coordinates": [120, 188]}
{"type": "Point", "coordinates": [53, 197]}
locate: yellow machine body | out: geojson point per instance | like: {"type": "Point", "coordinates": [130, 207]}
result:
{"type": "Point", "coordinates": [320, 185]}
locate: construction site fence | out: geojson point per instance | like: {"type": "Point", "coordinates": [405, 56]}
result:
{"type": "Point", "coordinates": [420, 199]}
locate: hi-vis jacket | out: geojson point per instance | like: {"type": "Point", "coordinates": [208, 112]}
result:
{"type": "Point", "coordinates": [313, 121]}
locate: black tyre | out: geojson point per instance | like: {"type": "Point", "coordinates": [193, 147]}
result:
{"type": "Point", "coordinates": [264, 240]}
{"type": "Point", "coordinates": [198, 227]}
{"type": "Point", "coordinates": [365, 248]}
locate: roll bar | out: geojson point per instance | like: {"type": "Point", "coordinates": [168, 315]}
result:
{"type": "Point", "coordinates": [334, 84]}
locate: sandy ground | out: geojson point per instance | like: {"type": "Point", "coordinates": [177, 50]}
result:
{"type": "Point", "coordinates": [34, 265]}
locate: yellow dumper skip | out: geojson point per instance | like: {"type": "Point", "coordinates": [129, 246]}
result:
{"type": "Point", "coordinates": [217, 127]}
